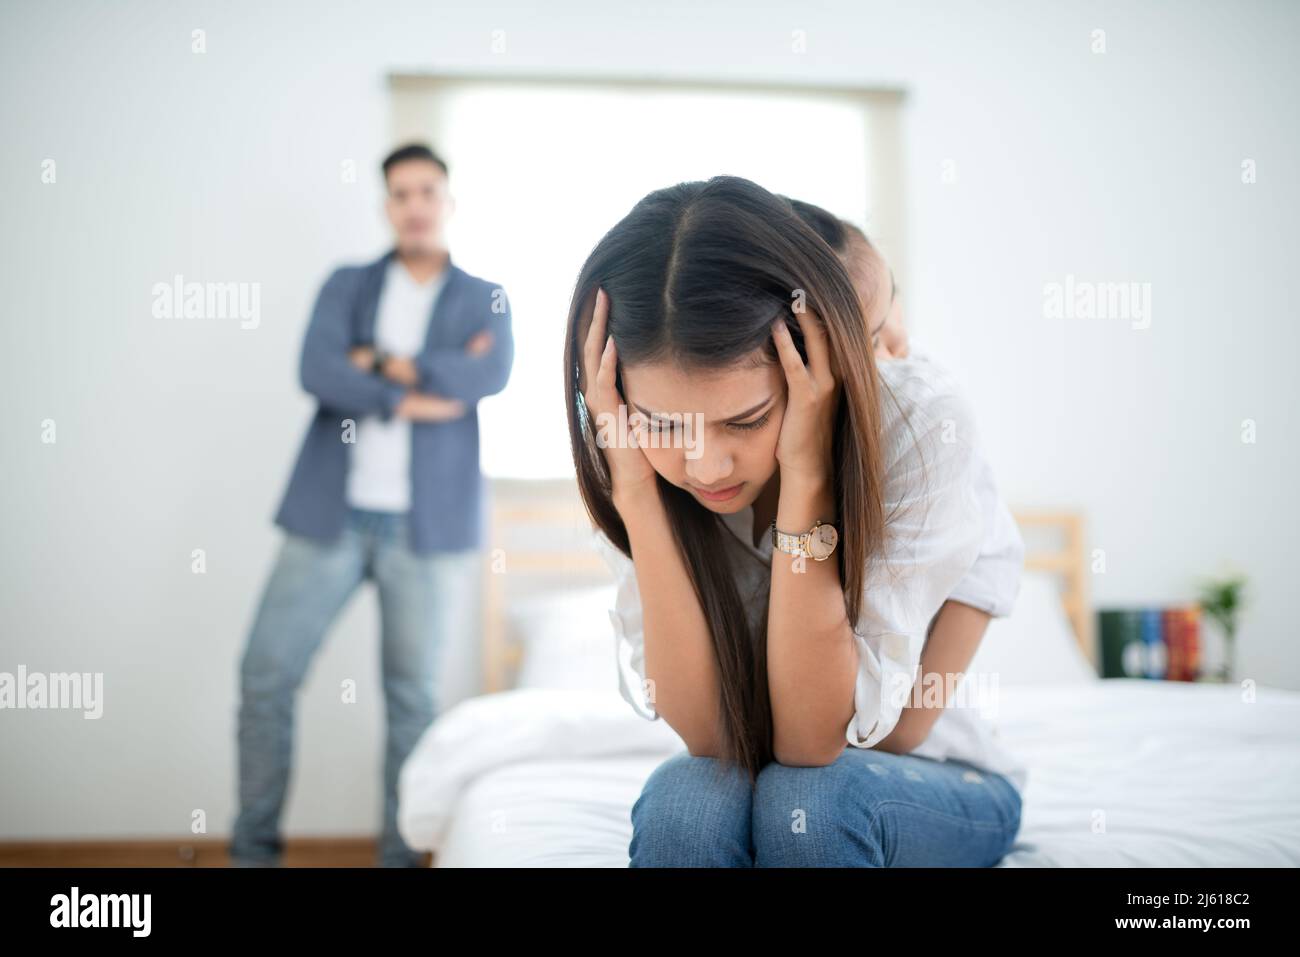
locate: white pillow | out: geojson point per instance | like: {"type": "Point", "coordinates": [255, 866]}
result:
{"type": "Point", "coordinates": [568, 643]}
{"type": "Point", "coordinates": [1035, 644]}
{"type": "Point", "coordinates": [567, 640]}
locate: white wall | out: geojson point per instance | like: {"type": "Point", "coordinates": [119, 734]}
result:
{"type": "Point", "coordinates": [176, 435]}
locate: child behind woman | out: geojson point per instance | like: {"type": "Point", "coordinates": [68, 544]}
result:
{"type": "Point", "coordinates": [989, 589]}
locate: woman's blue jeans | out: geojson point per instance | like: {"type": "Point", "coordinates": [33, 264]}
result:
{"type": "Point", "coordinates": [422, 604]}
{"type": "Point", "coordinates": [868, 808]}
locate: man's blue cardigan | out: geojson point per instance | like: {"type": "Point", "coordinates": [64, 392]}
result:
{"type": "Point", "coordinates": [448, 494]}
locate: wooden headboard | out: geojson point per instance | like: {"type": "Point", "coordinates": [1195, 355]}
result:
{"type": "Point", "coordinates": [540, 537]}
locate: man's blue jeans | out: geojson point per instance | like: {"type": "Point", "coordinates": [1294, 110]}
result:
{"type": "Point", "coordinates": [867, 809]}
{"type": "Point", "coordinates": [423, 602]}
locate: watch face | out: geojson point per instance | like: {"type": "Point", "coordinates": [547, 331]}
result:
{"type": "Point", "coordinates": [822, 542]}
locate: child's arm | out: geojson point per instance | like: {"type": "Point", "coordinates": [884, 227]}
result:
{"type": "Point", "coordinates": [988, 591]}
{"type": "Point", "coordinates": [954, 638]}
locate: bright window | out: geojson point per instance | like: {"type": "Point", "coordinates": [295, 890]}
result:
{"type": "Point", "coordinates": [541, 171]}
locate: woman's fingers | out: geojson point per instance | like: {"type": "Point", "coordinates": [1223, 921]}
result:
{"type": "Point", "coordinates": [814, 340]}
{"type": "Point", "coordinates": [608, 399]}
{"type": "Point", "coordinates": [593, 347]}
{"type": "Point", "coordinates": [605, 376]}
{"type": "Point", "coordinates": [796, 374]}
{"type": "Point", "coordinates": [602, 395]}
{"type": "Point", "coordinates": [622, 451]}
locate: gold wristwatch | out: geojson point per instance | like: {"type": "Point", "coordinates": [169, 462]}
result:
{"type": "Point", "coordinates": [818, 543]}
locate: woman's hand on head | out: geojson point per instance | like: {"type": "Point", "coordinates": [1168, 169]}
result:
{"type": "Point", "coordinates": [630, 471]}
{"type": "Point", "coordinates": [803, 448]}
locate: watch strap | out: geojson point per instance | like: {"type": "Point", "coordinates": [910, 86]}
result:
{"type": "Point", "coordinates": [788, 543]}
{"type": "Point", "coordinates": [795, 543]}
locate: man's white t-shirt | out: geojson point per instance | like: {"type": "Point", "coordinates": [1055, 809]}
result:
{"type": "Point", "coordinates": [379, 476]}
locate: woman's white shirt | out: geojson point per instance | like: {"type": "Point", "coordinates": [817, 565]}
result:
{"type": "Point", "coordinates": [939, 522]}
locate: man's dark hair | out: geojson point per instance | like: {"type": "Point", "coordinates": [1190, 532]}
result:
{"type": "Point", "coordinates": [413, 151]}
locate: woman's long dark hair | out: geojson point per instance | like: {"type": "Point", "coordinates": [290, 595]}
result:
{"type": "Point", "coordinates": [695, 274]}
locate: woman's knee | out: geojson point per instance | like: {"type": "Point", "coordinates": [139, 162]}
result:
{"type": "Point", "coordinates": [815, 817]}
{"type": "Point", "coordinates": [692, 812]}
{"type": "Point", "coordinates": [1013, 827]}
{"type": "Point", "coordinates": [872, 809]}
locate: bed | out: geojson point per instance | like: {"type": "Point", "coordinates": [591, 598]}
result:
{"type": "Point", "coordinates": [542, 770]}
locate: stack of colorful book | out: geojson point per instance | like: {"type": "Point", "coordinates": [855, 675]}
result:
{"type": "Point", "coordinates": [1151, 642]}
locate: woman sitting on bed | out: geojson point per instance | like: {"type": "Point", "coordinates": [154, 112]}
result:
{"type": "Point", "coordinates": [785, 518]}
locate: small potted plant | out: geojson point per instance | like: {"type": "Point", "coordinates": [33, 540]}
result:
{"type": "Point", "coordinates": [1221, 600]}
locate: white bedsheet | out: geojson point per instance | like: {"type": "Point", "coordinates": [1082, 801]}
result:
{"type": "Point", "coordinates": [532, 776]}
{"type": "Point", "coordinates": [1127, 772]}
{"type": "Point", "coordinates": [1122, 773]}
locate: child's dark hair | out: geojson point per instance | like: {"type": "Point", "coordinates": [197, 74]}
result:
{"type": "Point", "coordinates": [837, 233]}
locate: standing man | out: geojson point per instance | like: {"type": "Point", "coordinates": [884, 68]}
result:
{"type": "Point", "coordinates": [387, 486]}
